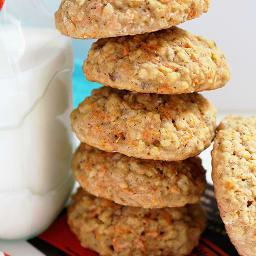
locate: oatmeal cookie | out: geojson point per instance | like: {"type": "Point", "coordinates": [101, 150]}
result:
{"type": "Point", "coordinates": [147, 126]}
{"type": "Point", "coordinates": [139, 183]}
{"type": "Point", "coordinates": [234, 178]}
{"type": "Point", "coordinates": [170, 61]}
{"type": "Point", "coordinates": [103, 18]}
{"type": "Point", "coordinates": [111, 229]}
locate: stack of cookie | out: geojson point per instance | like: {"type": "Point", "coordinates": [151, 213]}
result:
{"type": "Point", "coordinates": [141, 180]}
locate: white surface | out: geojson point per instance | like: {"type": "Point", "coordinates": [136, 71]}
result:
{"type": "Point", "coordinates": [19, 249]}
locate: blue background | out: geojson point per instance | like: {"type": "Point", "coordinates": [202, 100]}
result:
{"type": "Point", "coordinates": [81, 87]}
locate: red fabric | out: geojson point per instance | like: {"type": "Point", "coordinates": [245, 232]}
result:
{"type": "Point", "coordinates": [60, 236]}
{"type": "Point", "coordinates": [1, 4]}
{"type": "Point", "coordinates": [203, 250]}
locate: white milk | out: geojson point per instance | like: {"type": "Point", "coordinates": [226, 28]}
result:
{"type": "Point", "coordinates": [35, 134]}
{"type": "Point", "coordinates": [25, 214]}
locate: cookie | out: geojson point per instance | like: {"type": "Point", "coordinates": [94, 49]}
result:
{"type": "Point", "coordinates": [234, 178]}
{"type": "Point", "coordinates": [86, 19]}
{"type": "Point", "coordinates": [139, 183]}
{"type": "Point", "coordinates": [111, 229]}
{"type": "Point", "coordinates": [170, 61]}
{"type": "Point", "coordinates": [147, 126]}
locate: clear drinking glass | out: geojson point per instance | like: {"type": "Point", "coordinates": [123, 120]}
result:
{"type": "Point", "coordinates": [36, 65]}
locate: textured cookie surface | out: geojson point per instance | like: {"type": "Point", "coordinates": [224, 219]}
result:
{"type": "Point", "coordinates": [170, 61]}
{"type": "Point", "coordinates": [111, 229]}
{"type": "Point", "coordinates": [234, 177]}
{"type": "Point", "coordinates": [147, 126]}
{"type": "Point", "coordinates": [103, 18]}
{"type": "Point", "coordinates": [140, 183]}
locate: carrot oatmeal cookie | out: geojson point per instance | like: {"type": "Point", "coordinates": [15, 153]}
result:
{"type": "Point", "coordinates": [147, 126]}
{"type": "Point", "coordinates": [139, 183]}
{"type": "Point", "coordinates": [104, 18]}
{"type": "Point", "coordinates": [111, 229]}
{"type": "Point", "coordinates": [170, 61]}
{"type": "Point", "coordinates": [234, 177]}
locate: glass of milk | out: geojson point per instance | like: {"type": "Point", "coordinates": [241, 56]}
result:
{"type": "Point", "coordinates": [36, 65]}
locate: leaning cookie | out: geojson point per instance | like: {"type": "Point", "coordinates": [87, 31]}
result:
{"type": "Point", "coordinates": [147, 126]}
{"type": "Point", "coordinates": [111, 229]}
{"type": "Point", "coordinates": [139, 183]}
{"type": "Point", "coordinates": [170, 61]}
{"type": "Point", "coordinates": [100, 18]}
{"type": "Point", "coordinates": [234, 178]}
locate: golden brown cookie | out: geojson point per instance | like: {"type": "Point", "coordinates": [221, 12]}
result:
{"type": "Point", "coordinates": [102, 18]}
{"type": "Point", "coordinates": [139, 183]}
{"type": "Point", "coordinates": [234, 178]}
{"type": "Point", "coordinates": [111, 229]}
{"type": "Point", "coordinates": [147, 126]}
{"type": "Point", "coordinates": [170, 61]}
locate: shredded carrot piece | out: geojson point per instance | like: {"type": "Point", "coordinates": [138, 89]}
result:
{"type": "Point", "coordinates": [115, 243]}
{"type": "Point", "coordinates": [101, 115]}
{"type": "Point", "coordinates": [167, 217]}
{"type": "Point", "coordinates": [229, 185]}
{"type": "Point", "coordinates": [187, 45]}
{"type": "Point", "coordinates": [148, 57]}
{"type": "Point", "coordinates": [162, 70]}
{"type": "Point", "coordinates": [165, 112]}
{"type": "Point", "coordinates": [186, 139]}
{"type": "Point", "coordinates": [147, 220]}
{"type": "Point", "coordinates": [150, 48]}
{"type": "Point", "coordinates": [125, 52]}
{"type": "Point", "coordinates": [99, 9]}
{"type": "Point", "coordinates": [133, 121]}
{"type": "Point", "coordinates": [147, 136]}
{"type": "Point", "coordinates": [104, 170]}
{"type": "Point", "coordinates": [164, 90]}
{"type": "Point", "coordinates": [174, 189]}
{"type": "Point", "coordinates": [191, 14]}
{"type": "Point", "coordinates": [166, 65]}
{"type": "Point", "coordinates": [193, 57]}
{"type": "Point", "coordinates": [97, 235]}
{"type": "Point", "coordinates": [97, 129]}
{"type": "Point", "coordinates": [118, 132]}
